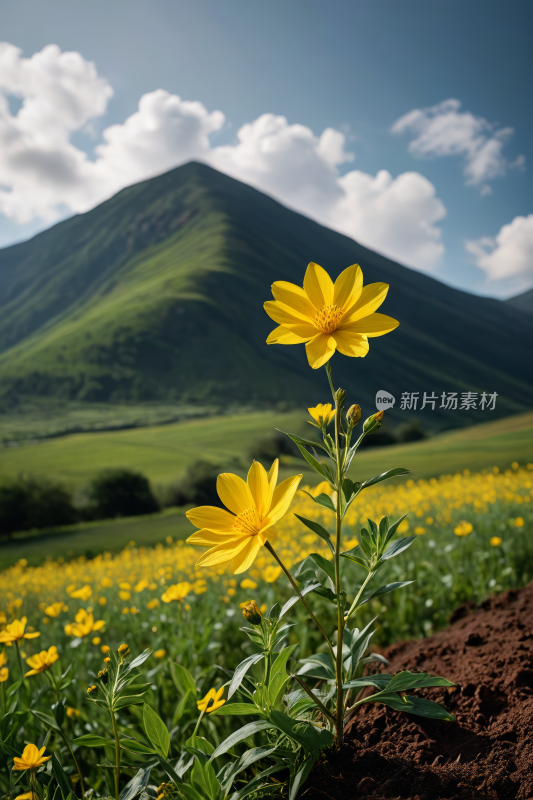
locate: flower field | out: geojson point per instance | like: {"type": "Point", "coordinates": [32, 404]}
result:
{"type": "Point", "coordinates": [473, 539]}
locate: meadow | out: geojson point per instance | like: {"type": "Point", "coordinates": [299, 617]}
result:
{"type": "Point", "coordinates": [473, 539]}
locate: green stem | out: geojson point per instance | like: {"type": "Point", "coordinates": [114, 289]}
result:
{"type": "Point", "coordinates": [338, 582]}
{"type": "Point", "coordinates": [20, 661]}
{"type": "Point", "coordinates": [198, 723]}
{"type": "Point", "coordinates": [315, 699]}
{"type": "Point", "coordinates": [330, 379]}
{"type": "Point", "coordinates": [360, 592]}
{"type": "Point", "coordinates": [82, 785]}
{"type": "Point", "coordinates": [117, 760]}
{"type": "Point", "coordinates": [300, 595]}
{"type": "Point", "coordinates": [3, 698]}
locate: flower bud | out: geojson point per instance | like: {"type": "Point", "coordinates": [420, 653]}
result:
{"type": "Point", "coordinates": [123, 650]}
{"type": "Point", "coordinates": [340, 397]}
{"type": "Point", "coordinates": [103, 675]}
{"type": "Point", "coordinates": [107, 660]}
{"type": "Point", "coordinates": [251, 612]}
{"type": "Point", "coordinates": [353, 415]}
{"type": "Point", "coordinates": [373, 423]}
{"type": "Point", "coordinates": [92, 689]}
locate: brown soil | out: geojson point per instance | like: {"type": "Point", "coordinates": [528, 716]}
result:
{"type": "Point", "coordinates": [486, 753]}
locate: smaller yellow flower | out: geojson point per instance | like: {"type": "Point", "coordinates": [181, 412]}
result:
{"type": "Point", "coordinates": [419, 530]}
{"type": "Point", "coordinates": [519, 522]}
{"type": "Point", "coordinates": [42, 661]}
{"type": "Point", "coordinates": [31, 758]}
{"type": "Point", "coordinates": [55, 609]}
{"type": "Point", "coordinates": [105, 648]}
{"type": "Point", "coordinates": [3, 659]}
{"type": "Point", "coordinates": [27, 796]}
{"type": "Point", "coordinates": [322, 415]}
{"type": "Point", "coordinates": [123, 650]}
{"type": "Point", "coordinates": [463, 529]}
{"type": "Point", "coordinates": [4, 674]}
{"type": "Point", "coordinates": [212, 695]}
{"type": "Point", "coordinates": [160, 653]}
{"type": "Point", "coordinates": [84, 625]}
{"type": "Point", "coordinates": [178, 591]}
{"type": "Point", "coordinates": [96, 640]}
{"type": "Point", "coordinates": [72, 713]}
{"type": "Point", "coordinates": [247, 583]}
{"type": "Point", "coordinates": [124, 595]}
{"type": "Point", "coordinates": [153, 603]}
{"type": "Point", "coordinates": [14, 632]}
{"type": "Point", "coordinates": [82, 594]}
{"type": "Point", "coordinates": [496, 541]}
{"type": "Point", "coordinates": [92, 689]}
{"type": "Point", "coordinates": [271, 574]}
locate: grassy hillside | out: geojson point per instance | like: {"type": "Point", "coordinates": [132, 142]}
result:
{"type": "Point", "coordinates": [156, 295]}
{"type": "Point", "coordinates": [164, 452]}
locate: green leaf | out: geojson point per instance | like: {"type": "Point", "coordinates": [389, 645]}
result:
{"type": "Point", "coordinates": [398, 547]}
{"type": "Point", "coordinates": [48, 720]}
{"type": "Point", "coordinates": [325, 565]}
{"type": "Point", "coordinates": [300, 778]}
{"type": "Point", "coordinates": [183, 679]}
{"type": "Point", "coordinates": [91, 740]}
{"type": "Point", "coordinates": [313, 462]}
{"type": "Point", "coordinates": [412, 705]}
{"type": "Point", "coordinates": [308, 737]}
{"type": "Point", "coordinates": [256, 785]}
{"type": "Point", "coordinates": [139, 660]}
{"type": "Point", "coordinates": [415, 680]}
{"type": "Point", "coordinates": [389, 587]}
{"type": "Point", "coordinates": [156, 730]}
{"type": "Point", "coordinates": [181, 767]}
{"type": "Point", "coordinates": [299, 440]}
{"type": "Point", "coordinates": [129, 700]}
{"type": "Point", "coordinates": [350, 555]}
{"type": "Point", "coordinates": [280, 663]}
{"type": "Point", "coordinates": [247, 759]}
{"type": "Point", "coordinates": [322, 500]}
{"type": "Point", "coordinates": [133, 746]}
{"type": "Point", "coordinates": [308, 587]}
{"type": "Point", "coordinates": [378, 681]}
{"type": "Point", "coordinates": [61, 778]}
{"type": "Point", "coordinates": [323, 591]}
{"type": "Point", "coordinates": [347, 488]}
{"type": "Point", "coordinates": [240, 735]}
{"type": "Point", "coordinates": [180, 708]}
{"type": "Point", "coordinates": [322, 659]}
{"type": "Point", "coordinates": [318, 529]}
{"type": "Point", "coordinates": [237, 709]}
{"type": "Point", "coordinates": [392, 530]}
{"type": "Point", "coordinates": [391, 473]}
{"type": "Point", "coordinates": [240, 672]}
{"type": "Point", "coordinates": [137, 785]}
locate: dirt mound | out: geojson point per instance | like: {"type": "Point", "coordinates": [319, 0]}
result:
{"type": "Point", "coordinates": [486, 753]}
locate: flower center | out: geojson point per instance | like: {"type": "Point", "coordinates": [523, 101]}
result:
{"type": "Point", "coordinates": [328, 318]}
{"type": "Point", "coordinates": [248, 522]}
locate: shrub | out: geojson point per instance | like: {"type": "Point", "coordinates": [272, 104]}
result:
{"type": "Point", "coordinates": [30, 502]}
{"type": "Point", "coordinates": [121, 493]}
{"type": "Point", "coordinates": [270, 447]}
{"type": "Point", "coordinates": [199, 486]}
{"type": "Point", "coordinates": [411, 432]}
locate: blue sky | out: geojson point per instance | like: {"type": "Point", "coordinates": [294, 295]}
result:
{"type": "Point", "coordinates": [447, 190]}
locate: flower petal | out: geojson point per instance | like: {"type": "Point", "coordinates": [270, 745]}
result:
{"type": "Point", "coordinates": [320, 349]}
{"type": "Point", "coordinates": [318, 286]}
{"type": "Point", "coordinates": [296, 334]}
{"type": "Point", "coordinates": [370, 299]}
{"type": "Point", "coordinates": [209, 538]}
{"type": "Point", "coordinates": [31, 635]}
{"type": "Point", "coordinates": [351, 344]}
{"type": "Point", "coordinates": [223, 552]}
{"type": "Point", "coordinates": [247, 556]}
{"type": "Point", "coordinates": [234, 493]}
{"type": "Point", "coordinates": [282, 498]}
{"type": "Point", "coordinates": [210, 517]}
{"type": "Point", "coordinates": [272, 480]}
{"type": "Point", "coordinates": [373, 325]}
{"type": "Point", "coordinates": [294, 297]}
{"type": "Point", "coordinates": [348, 286]}
{"type": "Point", "coordinates": [258, 484]}
{"type": "Point", "coordinates": [284, 315]}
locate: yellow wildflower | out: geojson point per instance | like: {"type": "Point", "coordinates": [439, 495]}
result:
{"type": "Point", "coordinates": [82, 594]}
{"type": "Point", "coordinates": [251, 612]}
{"type": "Point", "coordinates": [31, 758]}
{"type": "Point", "coordinates": [153, 603]}
{"type": "Point", "coordinates": [105, 648]}
{"type": "Point", "coordinates": [496, 541]}
{"type": "Point", "coordinates": [271, 574]}
{"type": "Point", "coordinates": [519, 522]}
{"type": "Point", "coordinates": [177, 592]}
{"type": "Point", "coordinates": [160, 653]}
{"type": "Point", "coordinates": [322, 415]}
{"type": "Point", "coordinates": [4, 674]}
{"type": "Point", "coordinates": [42, 661]}
{"type": "Point", "coordinates": [27, 796]}
{"type": "Point", "coordinates": [14, 632]}
{"type": "Point", "coordinates": [248, 584]}
{"type": "Point", "coordinates": [463, 529]}
{"type": "Point", "coordinates": [123, 650]}
{"type": "Point", "coordinates": [212, 695]}
{"type": "Point", "coordinates": [55, 609]}
{"type": "Point", "coordinates": [72, 713]}
{"type": "Point", "coordinates": [84, 625]}
{"type": "Point", "coordinates": [255, 505]}
{"type": "Point", "coordinates": [327, 316]}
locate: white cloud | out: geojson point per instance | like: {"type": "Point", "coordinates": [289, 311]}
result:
{"type": "Point", "coordinates": [509, 256]}
{"type": "Point", "coordinates": [45, 176]}
{"type": "Point", "coordinates": [444, 130]}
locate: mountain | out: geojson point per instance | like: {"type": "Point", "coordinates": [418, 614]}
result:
{"type": "Point", "coordinates": [523, 302]}
{"type": "Point", "coordinates": [156, 295]}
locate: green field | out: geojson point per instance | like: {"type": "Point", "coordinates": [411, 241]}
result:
{"type": "Point", "coordinates": [163, 453]}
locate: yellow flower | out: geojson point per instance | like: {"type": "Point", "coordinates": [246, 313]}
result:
{"type": "Point", "coordinates": [248, 584]}
{"type": "Point", "coordinates": [4, 674]}
{"type": "Point", "coordinates": [212, 695]}
{"type": "Point", "coordinates": [14, 632]}
{"type": "Point", "coordinates": [27, 796]}
{"type": "Point", "coordinates": [420, 530]}
{"type": "Point", "coordinates": [177, 592]}
{"type": "Point", "coordinates": [123, 650]}
{"type": "Point", "coordinates": [322, 414]}
{"type": "Point", "coordinates": [496, 541]}
{"type": "Point", "coordinates": [271, 574]}
{"type": "Point", "coordinates": [31, 758]}
{"type": "Point", "coordinates": [55, 609]}
{"type": "Point", "coordinates": [96, 640]}
{"type": "Point", "coordinates": [255, 506]}
{"type": "Point", "coordinates": [251, 612]}
{"type": "Point", "coordinates": [160, 653]}
{"type": "Point", "coordinates": [72, 713]}
{"type": "Point", "coordinates": [463, 529]}
{"type": "Point", "coordinates": [42, 661]}
{"type": "Point", "coordinates": [327, 316]}
{"type": "Point", "coordinates": [153, 603]}
{"type": "Point", "coordinates": [3, 659]}
{"type": "Point", "coordinates": [84, 625]}
{"type": "Point", "coordinates": [82, 594]}
{"type": "Point", "coordinates": [105, 648]}
{"type": "Point", "coordinates": [519, 522]}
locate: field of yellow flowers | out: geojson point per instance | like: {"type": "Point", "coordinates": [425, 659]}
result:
{"type": "Point", "coordinates": [474, 539]}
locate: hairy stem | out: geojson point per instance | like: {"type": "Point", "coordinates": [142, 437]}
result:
{"type": "Point", "coordinates": [117, 760]}
{"type": "Point", "coordinates": [358, 596]}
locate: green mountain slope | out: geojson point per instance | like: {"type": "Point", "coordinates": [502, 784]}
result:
{"type": "Point", "coordinates": [524, 302]}
{"type": "Point", "coordinates": [157, 295]}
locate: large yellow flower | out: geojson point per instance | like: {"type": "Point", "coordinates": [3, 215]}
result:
{"type": "Point", "coordinates": [42, 661]}
{"type": "Point", "coordinates": [255, 505]}
{"type": "Point", "coordinates": [212, 695]}
{"type": "Point", "coordinates": [327, 316]}
{"type": "Point", "coordinates": [15, 631]}
{"type": "Point", "coordinates": [31, 758]}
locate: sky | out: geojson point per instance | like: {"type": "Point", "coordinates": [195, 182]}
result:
{"type": "Point", "coordinates": [405, 125]}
